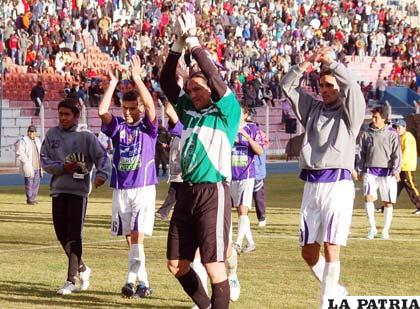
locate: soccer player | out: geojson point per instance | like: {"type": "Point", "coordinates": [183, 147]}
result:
{"type": "Point", "coordinates": [243, 176]}
{"type": "Point", "coordinates": [408, 164]}
{"type": "Point", "coordinates": [326, 159]}
{"type": "Point", "coordinates": [202, 213]}
{"type": "Point", "coordinates": [134, 173]}
{"type": "Point", "coordinates": [175, 174]}
{"type": "Point", "coordinates": [260, 174]}
{"type": "Point", "coordinates": [69, 155]}
{"type": "Point", "coordinates": [380, 165]}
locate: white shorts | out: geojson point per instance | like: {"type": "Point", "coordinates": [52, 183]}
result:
{"type": "Point", "coordinates": [133, 210]}
{"type": "Point", "coordinates": [387, 186]}
{"type": "Point", "coordinates": [326, 212]}
{"type": "Point", "coordinates": [241, 192]}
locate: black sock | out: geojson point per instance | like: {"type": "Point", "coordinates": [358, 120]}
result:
{"type": "Point", "coordinates": [73, 250]}
{"type": "Point", "coordinates": [221, 295]}
{"type": "Point", "coordinates": [82, 266]}
{"type": "Point", "coordinates": [193, 287]}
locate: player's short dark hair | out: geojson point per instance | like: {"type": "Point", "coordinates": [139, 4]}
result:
{"type": "Point", "coordinates": [130, 96]}
{"type": "Point", "coordinates": [382, 110]}
{"type": "Point", "coordinates": [200, 75]}
{"type": "Point", "coordinates": [71, 104]}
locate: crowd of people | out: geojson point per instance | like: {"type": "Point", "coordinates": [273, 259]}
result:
{"type": "Point", "coordinates": [253, 42]}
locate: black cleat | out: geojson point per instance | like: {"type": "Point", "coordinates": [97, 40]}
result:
{"type": "Point", "coordinates": [128, 290]}
{"type": "Point", "coordinates": [143, 291]}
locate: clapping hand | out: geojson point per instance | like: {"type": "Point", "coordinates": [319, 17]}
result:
{"type": "Point", "coordinates": [137, 69]}
{"type": "Point", "coordinates": [187, 25]}
{"type": "Point", "coordinates": [112, 78]}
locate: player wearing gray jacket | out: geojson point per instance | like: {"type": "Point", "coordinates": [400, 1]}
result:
{"type": "Point", "coordinates": [69, 155]}
{"type": "Point", "coordinates": [380, 165]}
{"type": "Point", "coordinates": [326, 159]}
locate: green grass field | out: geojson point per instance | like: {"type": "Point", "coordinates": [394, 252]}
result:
{"type": "Point", "coordinates": [33, 265]}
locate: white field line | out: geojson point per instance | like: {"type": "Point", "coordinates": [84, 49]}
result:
{"type": "Point", "coordinates": [275, 236]}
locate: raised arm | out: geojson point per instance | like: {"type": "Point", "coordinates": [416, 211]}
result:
{"type": "Point", "coordinates": [290, 85]}
{"type": "Point", "coordinates": [351, 95]}
{"type": "Point", "coordinates": [168, 81]}
{"type": "Point", "coordinates": [171, 113]}
{"type": "Point", "coordinates": [217, 85]}
{"type": "Point", "coordinates": [103, 110]}
{"type": "Point", "coordinates": [146, 97]}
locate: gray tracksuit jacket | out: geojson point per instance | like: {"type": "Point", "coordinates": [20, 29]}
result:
{"type": "Point", "coordinates": [59, 145]}
{"type": "Point", "coordinates": [380, 148]}
{"type": "Point", "coordinates": [331, 131]}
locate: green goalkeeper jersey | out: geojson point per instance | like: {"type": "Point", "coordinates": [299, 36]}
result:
{"type": "Point", "coordinates": [207, 138]}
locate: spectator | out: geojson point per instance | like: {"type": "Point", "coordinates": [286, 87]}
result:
{"type": "Point", "coordinates": [27, 154]}
{"type": "Point", "coordinates": [37, 96]}
{"type": "Point", "coordinates": [162, 149]}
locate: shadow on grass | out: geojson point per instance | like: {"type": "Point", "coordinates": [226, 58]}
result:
{"type": "Point", "coordinates": [92, 221]}
{"type": "Point", "coordinates": [41, 294]}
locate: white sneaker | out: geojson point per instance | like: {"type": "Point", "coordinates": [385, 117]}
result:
{"type": "Point", "coordinates": [342, 291]}
{"type": "Point", "coordinates": [237, 247]}
{"type": "Point", "coordinates": [84, 279]}
{"type": "Point", "coordinates": [372, 233]}
{"type": "Point", "coordinates": [67, 288]}
{"type": "Point", "coordinates": [262, 223]}
{"type": "Point", "coordinates": [249, 248]}
{"type": "Point", "coordinates": [235, 288]}
{"type": "Point", "coordinates": [385, 234]}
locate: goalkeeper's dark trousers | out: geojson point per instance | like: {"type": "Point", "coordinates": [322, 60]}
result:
{"type": "Point", "coordinates": [68, 212]}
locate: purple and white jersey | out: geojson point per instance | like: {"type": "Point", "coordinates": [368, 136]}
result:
{"type": "Point", "coordinates": [175, 129]}
{"type": "Point", "coordinates": [242, 155]}
{"type": "Point", "coordinates": [379, 171]}
{"type": "Point", "coordinates": [324, 176]}
{"type": "Point", "coordinates": [133, 163]}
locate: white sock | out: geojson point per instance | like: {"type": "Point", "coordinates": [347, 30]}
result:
{"type": "Point", "coordinates": [201, 272]}
{"type": "Point", "coordinates": [248, 233]}
{"type": "Point", "coordinates": [133, 263]}
{"type": "Point", "coordinates": [231, 264]}
{"type": "Point", "coordinates": [318, 268]}
{"type": "Point", "coordinates": [241, 229]}
{"type": "Point", "coordinates": [142, 274]}
{"type": "Point", "coordinates": [388, 217]}
{"type": "Point", "coordinates": [370, 211]}
{"type": "Point", "coordinates": [330, 282]}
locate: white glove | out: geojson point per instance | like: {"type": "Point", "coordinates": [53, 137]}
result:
{"type": "Point", "coordinates": [187, 25]}
{"type": "Point", "coordinates": [189, 30]}
{"type": "Point", "coordinates": [179, 43]}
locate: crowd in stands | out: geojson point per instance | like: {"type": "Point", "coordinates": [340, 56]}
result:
{"type": "Point", "coordinates": [253, 42]}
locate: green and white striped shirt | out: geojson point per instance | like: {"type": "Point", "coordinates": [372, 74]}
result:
{"type": "Point", "coordinates": [208, 138]}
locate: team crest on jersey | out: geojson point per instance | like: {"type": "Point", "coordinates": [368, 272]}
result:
{"type": "Point", "coordinates": [55, 143]}
{"type": "Point", "coordinates": [189, 156]}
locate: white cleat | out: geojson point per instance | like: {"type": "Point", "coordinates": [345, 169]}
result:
{"type": "Point", "coordinates": [385, 234]}
{"type": "Point", "coordinates": [84, 279]}
{"type": "Point", "coordinates": [235, 288]}
{"type": "Point", "coordinates": [67, 288]}
{"type": "Point", "coordinates": [262, 223]}
{"type": "Point", "coordinates": [342, 291]}
{"type": "Point", "coordinates": [372, 233]}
